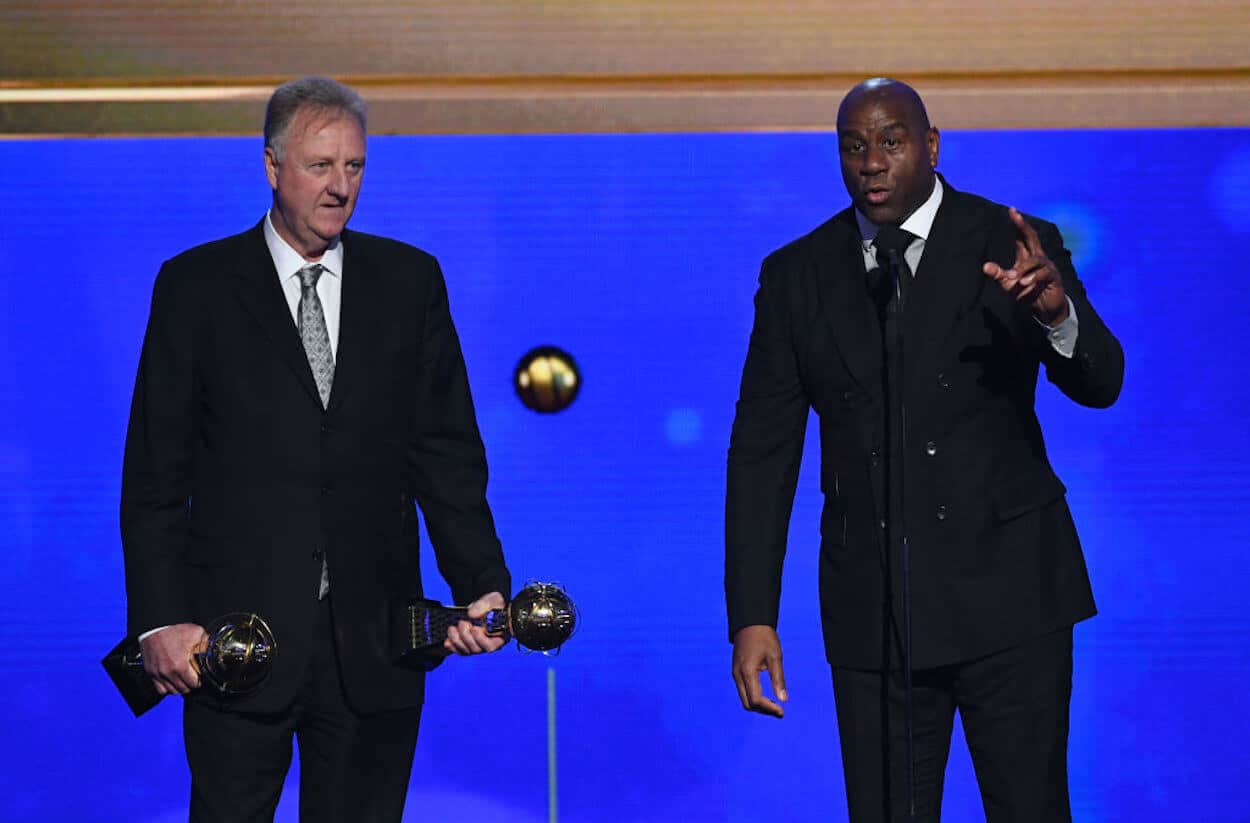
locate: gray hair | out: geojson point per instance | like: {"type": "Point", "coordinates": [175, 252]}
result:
{"type": "Point", "coordinates": [320, 94]}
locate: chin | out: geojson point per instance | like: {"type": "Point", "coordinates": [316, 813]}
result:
{"type": "Point", "coordinates": [329, 231]}
{"type": "Point", "coordinates": [881, 215]}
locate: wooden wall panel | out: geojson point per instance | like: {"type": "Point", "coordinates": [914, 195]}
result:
{"type": "Point", "coordinates": [176, 66]}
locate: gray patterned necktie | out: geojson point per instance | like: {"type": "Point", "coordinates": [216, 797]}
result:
{"type": "Point", "coordinates": [316, 339]}
{"type": "Point", "coordinates": [313, 333]}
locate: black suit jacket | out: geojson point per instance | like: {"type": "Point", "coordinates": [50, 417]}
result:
{"type": "Point", "coordinates": [994, 554]}
{"type": "Point", "coordinates": [236, 482]}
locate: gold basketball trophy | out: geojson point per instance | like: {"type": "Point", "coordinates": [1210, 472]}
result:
{"type": "Point", "coordinates": [236, 660]}
{"type": "Point", "coordinates": [542, 617]}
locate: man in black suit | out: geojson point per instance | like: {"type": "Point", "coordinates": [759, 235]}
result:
{"type": "Point", "coordinates": [950, 570]}
{"type": "Point", "coordinates": [300, 386]}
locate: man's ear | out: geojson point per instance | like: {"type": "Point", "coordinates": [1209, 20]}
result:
{"type": "Point", "coordinates": [271, 168]}
{"type": "Point", "coordinates": [933, 138]}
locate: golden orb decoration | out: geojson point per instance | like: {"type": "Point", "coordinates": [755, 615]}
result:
{"type": "Point", "coordinates": [547, 379]}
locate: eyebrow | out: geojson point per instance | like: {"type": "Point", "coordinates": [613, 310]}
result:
{"type": "Point", "coordinates": [897, 125]}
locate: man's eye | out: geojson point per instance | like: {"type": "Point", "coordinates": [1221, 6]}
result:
{"type": "Point", "coordinates": [890, 143]}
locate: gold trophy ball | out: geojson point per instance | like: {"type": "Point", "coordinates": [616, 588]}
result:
{"type": "Point", "coordinates": [547, 379]}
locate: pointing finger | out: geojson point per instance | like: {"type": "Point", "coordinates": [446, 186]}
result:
{"type": "Point", "coordinates": [1022, 254]}
{"type": "Point", "coordinates": [1032, 242]}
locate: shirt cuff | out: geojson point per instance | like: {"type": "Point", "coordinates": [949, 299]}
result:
{"type": "Point", "coordinates": [1063, 337]}
{"type": "Point", "coordinates": [151, 632]}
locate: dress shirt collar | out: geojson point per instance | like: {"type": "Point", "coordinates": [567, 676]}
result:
{"type": "Point", "coordinates": [920, 223]}
{"type": "Point", "coordinates": [288, 261]}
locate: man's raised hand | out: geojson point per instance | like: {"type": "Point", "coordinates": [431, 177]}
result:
{"type": "Point", "coordinates": [1032, 279]}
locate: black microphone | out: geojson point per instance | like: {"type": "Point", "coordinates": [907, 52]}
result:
{"type": "Point", "coordinates": [890, 244]}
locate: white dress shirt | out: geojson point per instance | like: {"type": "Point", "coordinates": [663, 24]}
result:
{"type": "Point", "coordinates": [288, 262]}
{"type": "Point", "coordinates": [1062, 337]}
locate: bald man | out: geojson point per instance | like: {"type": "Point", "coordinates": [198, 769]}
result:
{"type": "Point", "coordinates": [950, 570]}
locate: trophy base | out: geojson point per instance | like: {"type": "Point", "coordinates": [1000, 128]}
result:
{"type": "Point", "coordinates": [132, 682]}
{"type": "Point", "coordinates": [418, 630]}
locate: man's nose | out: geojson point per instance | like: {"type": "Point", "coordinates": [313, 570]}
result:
{"type": "Point", "coordinates": [874, 160]}
{"type": "Point", "coordinates": [338, 182]}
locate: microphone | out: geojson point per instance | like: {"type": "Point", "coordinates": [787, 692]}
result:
{"type": "Point", "coordinates": [890, 243]}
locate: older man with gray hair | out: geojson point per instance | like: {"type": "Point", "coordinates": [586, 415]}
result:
{"type": "Point", "coordinates": [300, 387]}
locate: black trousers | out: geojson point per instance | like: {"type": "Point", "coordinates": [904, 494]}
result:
{"type": "Point", "coordinates": [352, 767]}
{"type": "Point", "coordinates": [1014, 707]}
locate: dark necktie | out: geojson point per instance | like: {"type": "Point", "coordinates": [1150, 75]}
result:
{"type": "Point", "coordinates": [889, 246]}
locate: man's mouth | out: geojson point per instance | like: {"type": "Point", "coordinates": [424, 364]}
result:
{"type": "Point", "coordinates": [877, 195]}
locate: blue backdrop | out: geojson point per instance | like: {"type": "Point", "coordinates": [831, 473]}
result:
{"type": "Point", "coordinates": [639, 255]}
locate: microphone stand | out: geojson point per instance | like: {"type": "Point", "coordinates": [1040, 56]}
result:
{"type": "Point", "coordinates": [896, 445]}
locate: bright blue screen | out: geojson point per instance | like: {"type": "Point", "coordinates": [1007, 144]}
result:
{"type": "Point", "coordinates": [639, 254]}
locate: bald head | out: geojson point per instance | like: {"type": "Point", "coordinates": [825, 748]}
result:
{"type": "Point", "coordinates": [887, 149]}
{"type": "Point", "coordinates": [886, 89]}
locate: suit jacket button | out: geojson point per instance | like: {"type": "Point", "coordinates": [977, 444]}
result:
{"type": "Point", "coordinates": [881, 523]}
{"type": "Point", "coordinates": [930, 448]}
{"type": "Point", "coordinates": [326, 490]}
{"type": "Point", "coordinates": [942, 381]}
{"type": "Point", "coordinates": [941, 512]}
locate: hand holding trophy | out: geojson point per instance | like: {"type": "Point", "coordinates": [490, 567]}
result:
{"type": "Point", "coordinates": [236, 660]}
{"type": "Point", "coordinates": [542, 617]}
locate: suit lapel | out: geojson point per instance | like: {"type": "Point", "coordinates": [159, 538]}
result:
{"type": "Point", "coordinates": [261, 294]}
{"type": "Point", "coordinates": [357, 314]}
{"type": "Point", "coordinates": [949, 280]}
{"type": "Point", "coordinates": [849, 311]}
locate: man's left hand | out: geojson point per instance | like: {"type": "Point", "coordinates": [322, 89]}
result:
{"type": "Point", "coordinates": [466, 638]}
{"type": "Point", "coordinates": [1032, 278]}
